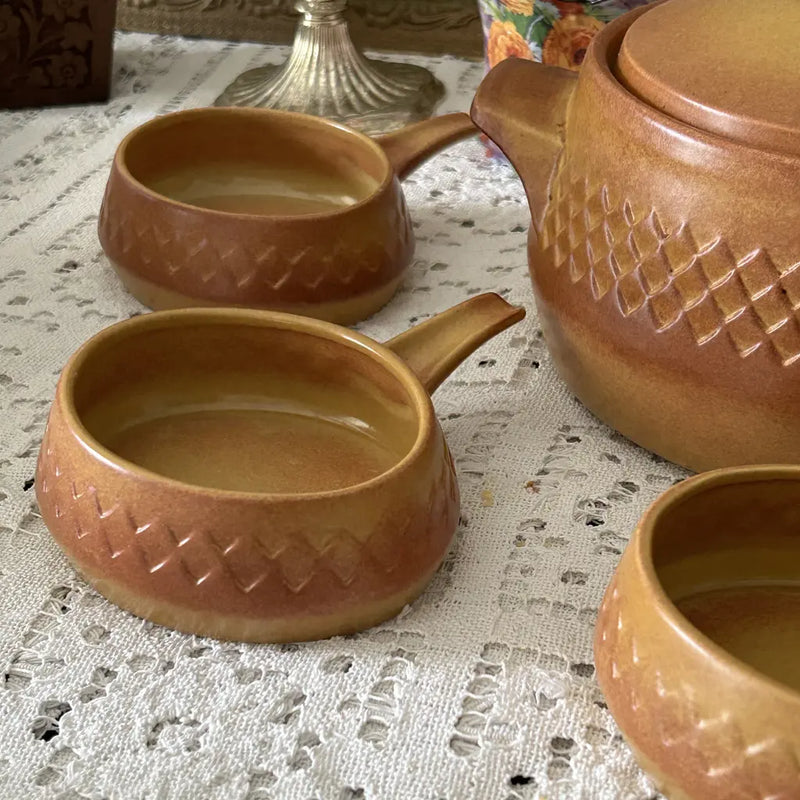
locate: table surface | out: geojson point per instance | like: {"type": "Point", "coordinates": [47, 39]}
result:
{"type": "Point", "coordinates": [483, 689]}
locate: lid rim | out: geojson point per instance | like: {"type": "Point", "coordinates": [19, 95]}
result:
{"type": "Point", "coordinates": [670, 61]}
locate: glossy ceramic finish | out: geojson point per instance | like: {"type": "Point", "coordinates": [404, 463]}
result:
{"type": "Point", "coordinates": [665, 260]}
{"type": "Point", "coordinates": [339, 261]}
{"type": "Point", "coordinates": [255, 475]}
{"type": "Point", "coordinates": [710, 706]}
{"type": "Point", "coordinates": [741, 82]}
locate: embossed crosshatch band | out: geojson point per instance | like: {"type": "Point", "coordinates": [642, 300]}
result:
{"type": "Point", "coordinates": [487, 679]}
{"type": "Point", "coordinates": [571, 577]}
{"type": "Point", "coordinates": [663, 248]}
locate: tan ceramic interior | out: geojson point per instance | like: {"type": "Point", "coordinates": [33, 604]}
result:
{"type": "Point", "coordinates": [244, 163]}
{"type": "Point", "coordinates": [245, 407]}
{"type": "Point", "coordinates": [729, 558]}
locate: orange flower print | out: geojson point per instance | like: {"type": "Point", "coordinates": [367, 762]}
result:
{"type": "Point", "coordinates": [505, 42]}
{"type": "Point", "coordinates": [519, 6]}
{"type": "Point", "coordinates": [567, 7]}
{"type": "Point", "coordinates": [567, 42]}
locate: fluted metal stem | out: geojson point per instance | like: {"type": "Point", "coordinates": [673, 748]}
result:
{"type": "Point", "coordinates": [326, 76]}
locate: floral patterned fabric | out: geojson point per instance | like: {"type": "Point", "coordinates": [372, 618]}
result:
{"type": "Point", "coordinates": [556, 33]}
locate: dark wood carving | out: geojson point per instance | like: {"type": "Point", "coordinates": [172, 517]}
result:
{"type": "Point", "coordinates": [55, 51]}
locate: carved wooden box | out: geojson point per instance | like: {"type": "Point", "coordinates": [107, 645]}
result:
{"type": "Point", "coordinates": [54, 52]}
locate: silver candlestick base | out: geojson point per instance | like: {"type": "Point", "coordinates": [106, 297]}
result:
{"type": "Point", "coordinates": [326, 76]}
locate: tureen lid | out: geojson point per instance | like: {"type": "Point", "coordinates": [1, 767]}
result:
{"type": "Point", "coordinates": [731, 67]}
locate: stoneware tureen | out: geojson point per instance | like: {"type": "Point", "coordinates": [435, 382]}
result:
{"type": "Point", "coordinates": [664, 186]}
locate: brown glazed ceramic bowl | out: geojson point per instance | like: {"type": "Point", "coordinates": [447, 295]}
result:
{"type": "Point", "coordinates": [255, 475]}
{"type": "Point", "coordinates": [664, 186]}
{"type": "Point", "coordinates": [264, 209]}
{"type": "Point", "coordinates": [698, 638]}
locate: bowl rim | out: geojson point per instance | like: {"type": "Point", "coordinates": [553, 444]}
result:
{"type": "Point", "coordinates": [287, 118]}
{"type": "Point", "coordinates": [642, 544]}
{"type": "Point", "coordinates": [176, 318]}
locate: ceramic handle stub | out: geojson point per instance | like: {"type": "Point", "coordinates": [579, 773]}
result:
{"type": "Point", "coordinates": [409, 147]}
{"type": "Point", "coordinates": [434, 348]}
{"type": "Point", "coordinates": [522, 107]}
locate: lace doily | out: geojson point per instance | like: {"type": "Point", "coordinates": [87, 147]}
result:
{"type": "Point", "coordinates": [483, 689]}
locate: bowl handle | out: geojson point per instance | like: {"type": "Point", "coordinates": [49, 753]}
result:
{"type": "Point", "coordinates": [410, 146]}
{"type": "Point", "coordinates": [434, 348]}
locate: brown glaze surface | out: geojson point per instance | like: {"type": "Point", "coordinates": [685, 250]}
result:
{"type": "Point", "coordinates": [707, 64]}
{"type": "Point", "coordinates": [697, 640]}
{"type": "Point", "coordinates": [759, 625]}
{"type": "Point", "coordinates": [270, 190]}
{"type": "Point", "coordinates": [298, 213]}
{"type": "Point", "coordinates": [665, 259]}
{"type": "Point", "coordinates": [255, 475]}
{"type": "Point", "coordinates": [254, 449]}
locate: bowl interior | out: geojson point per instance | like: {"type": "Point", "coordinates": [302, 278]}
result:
{"type": "Point", "coordinates": [728, 556]}
{"type": "Point", "coordinates": [251, 162]}
{"type": "Point", "coordinates": [245, 407]}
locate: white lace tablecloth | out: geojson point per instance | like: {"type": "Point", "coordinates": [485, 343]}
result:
{"type": "Point", "coordinates": [483, 690]}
